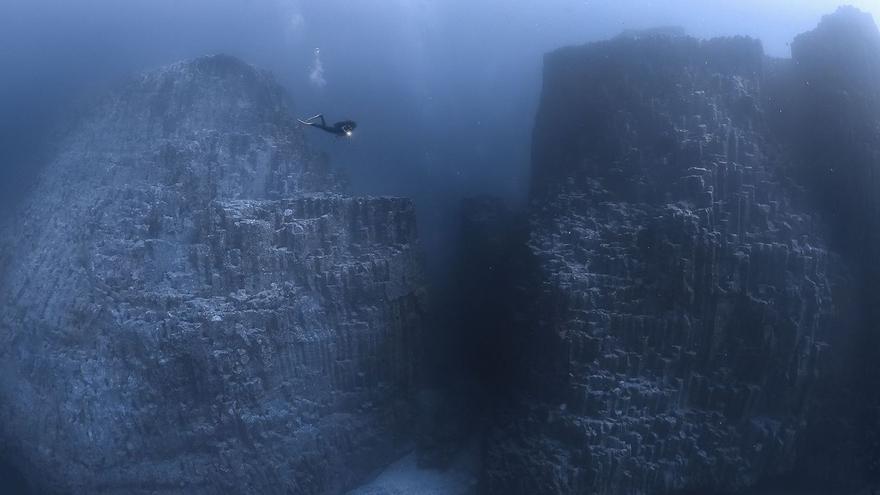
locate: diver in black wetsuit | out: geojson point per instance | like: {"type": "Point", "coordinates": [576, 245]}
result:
{"type": "Point", "coordinates": [341, 129]}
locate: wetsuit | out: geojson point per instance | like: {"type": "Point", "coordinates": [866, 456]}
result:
{"type": "Point", "coordinates": [342, 129]}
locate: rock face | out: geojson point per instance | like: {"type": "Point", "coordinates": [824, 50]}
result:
{"type": "Point", "coordinates": [835, 108]}
{"type": "Point", "coordinates": [834, 117]}
{"type": "Point", "coordinates": [687, 291]}
{"type": "Point", "coordinates": [189, 305]}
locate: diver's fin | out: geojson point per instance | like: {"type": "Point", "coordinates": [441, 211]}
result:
{"type": "Point", "coordinates": [303, 122]}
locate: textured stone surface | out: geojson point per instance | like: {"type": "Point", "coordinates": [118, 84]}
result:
{"type": "Point", "coordinates": [686, 289]}
{"type": "Point", "coordinates": [833, 111]}
{"type": "Point", "coordinates": [189, 305]}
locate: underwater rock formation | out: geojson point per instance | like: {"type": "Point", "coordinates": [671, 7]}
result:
{"type": "Point", "coordinates": [833, 115]}
{"type": "Point", "coordinates": [189, 304]}
{"type": "Point", "coordinates": [688, 288]}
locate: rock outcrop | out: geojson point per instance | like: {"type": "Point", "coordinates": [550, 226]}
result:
{"type": "Point", "coordinates": [688, 291]}
{"type": "Point", "coordinates": [189, 304]}
{"type": "Point", "coordinates": [832, 113]}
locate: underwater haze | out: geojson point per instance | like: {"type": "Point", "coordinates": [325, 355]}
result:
{"type": "Point", "coordinates": [564, 247]}
{"type": "Point", "coordinates": [446, 91]}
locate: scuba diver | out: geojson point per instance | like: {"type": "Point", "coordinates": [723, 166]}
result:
{"type": "Point", "coordinates": [340, 129]}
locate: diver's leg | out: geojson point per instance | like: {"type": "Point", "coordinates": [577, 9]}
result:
{"type": "Point", "coordinates": [309, 120]}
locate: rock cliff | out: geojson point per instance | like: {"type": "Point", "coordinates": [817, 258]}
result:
{"type": "Point", "coordinates": [189, 304]}
{"type": "Point", "coordinates": [688, 290]}
{"type": "Point", "coordinates": [832, 112]}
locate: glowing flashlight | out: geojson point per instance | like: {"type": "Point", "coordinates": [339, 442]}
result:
{"type": "Point", "coordinates": [348, 133]}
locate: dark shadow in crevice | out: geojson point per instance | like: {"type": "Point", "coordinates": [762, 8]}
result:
{"type": "Point", "coordinates": [476, 356]}
{"type": "Point", "coordinates": [12, 480]}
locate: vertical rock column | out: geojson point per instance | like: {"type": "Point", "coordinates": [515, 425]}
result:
{"type": "Point", "coordinates": [686, 294]}
{"type": "Point", "coordinates": [190, 305]}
